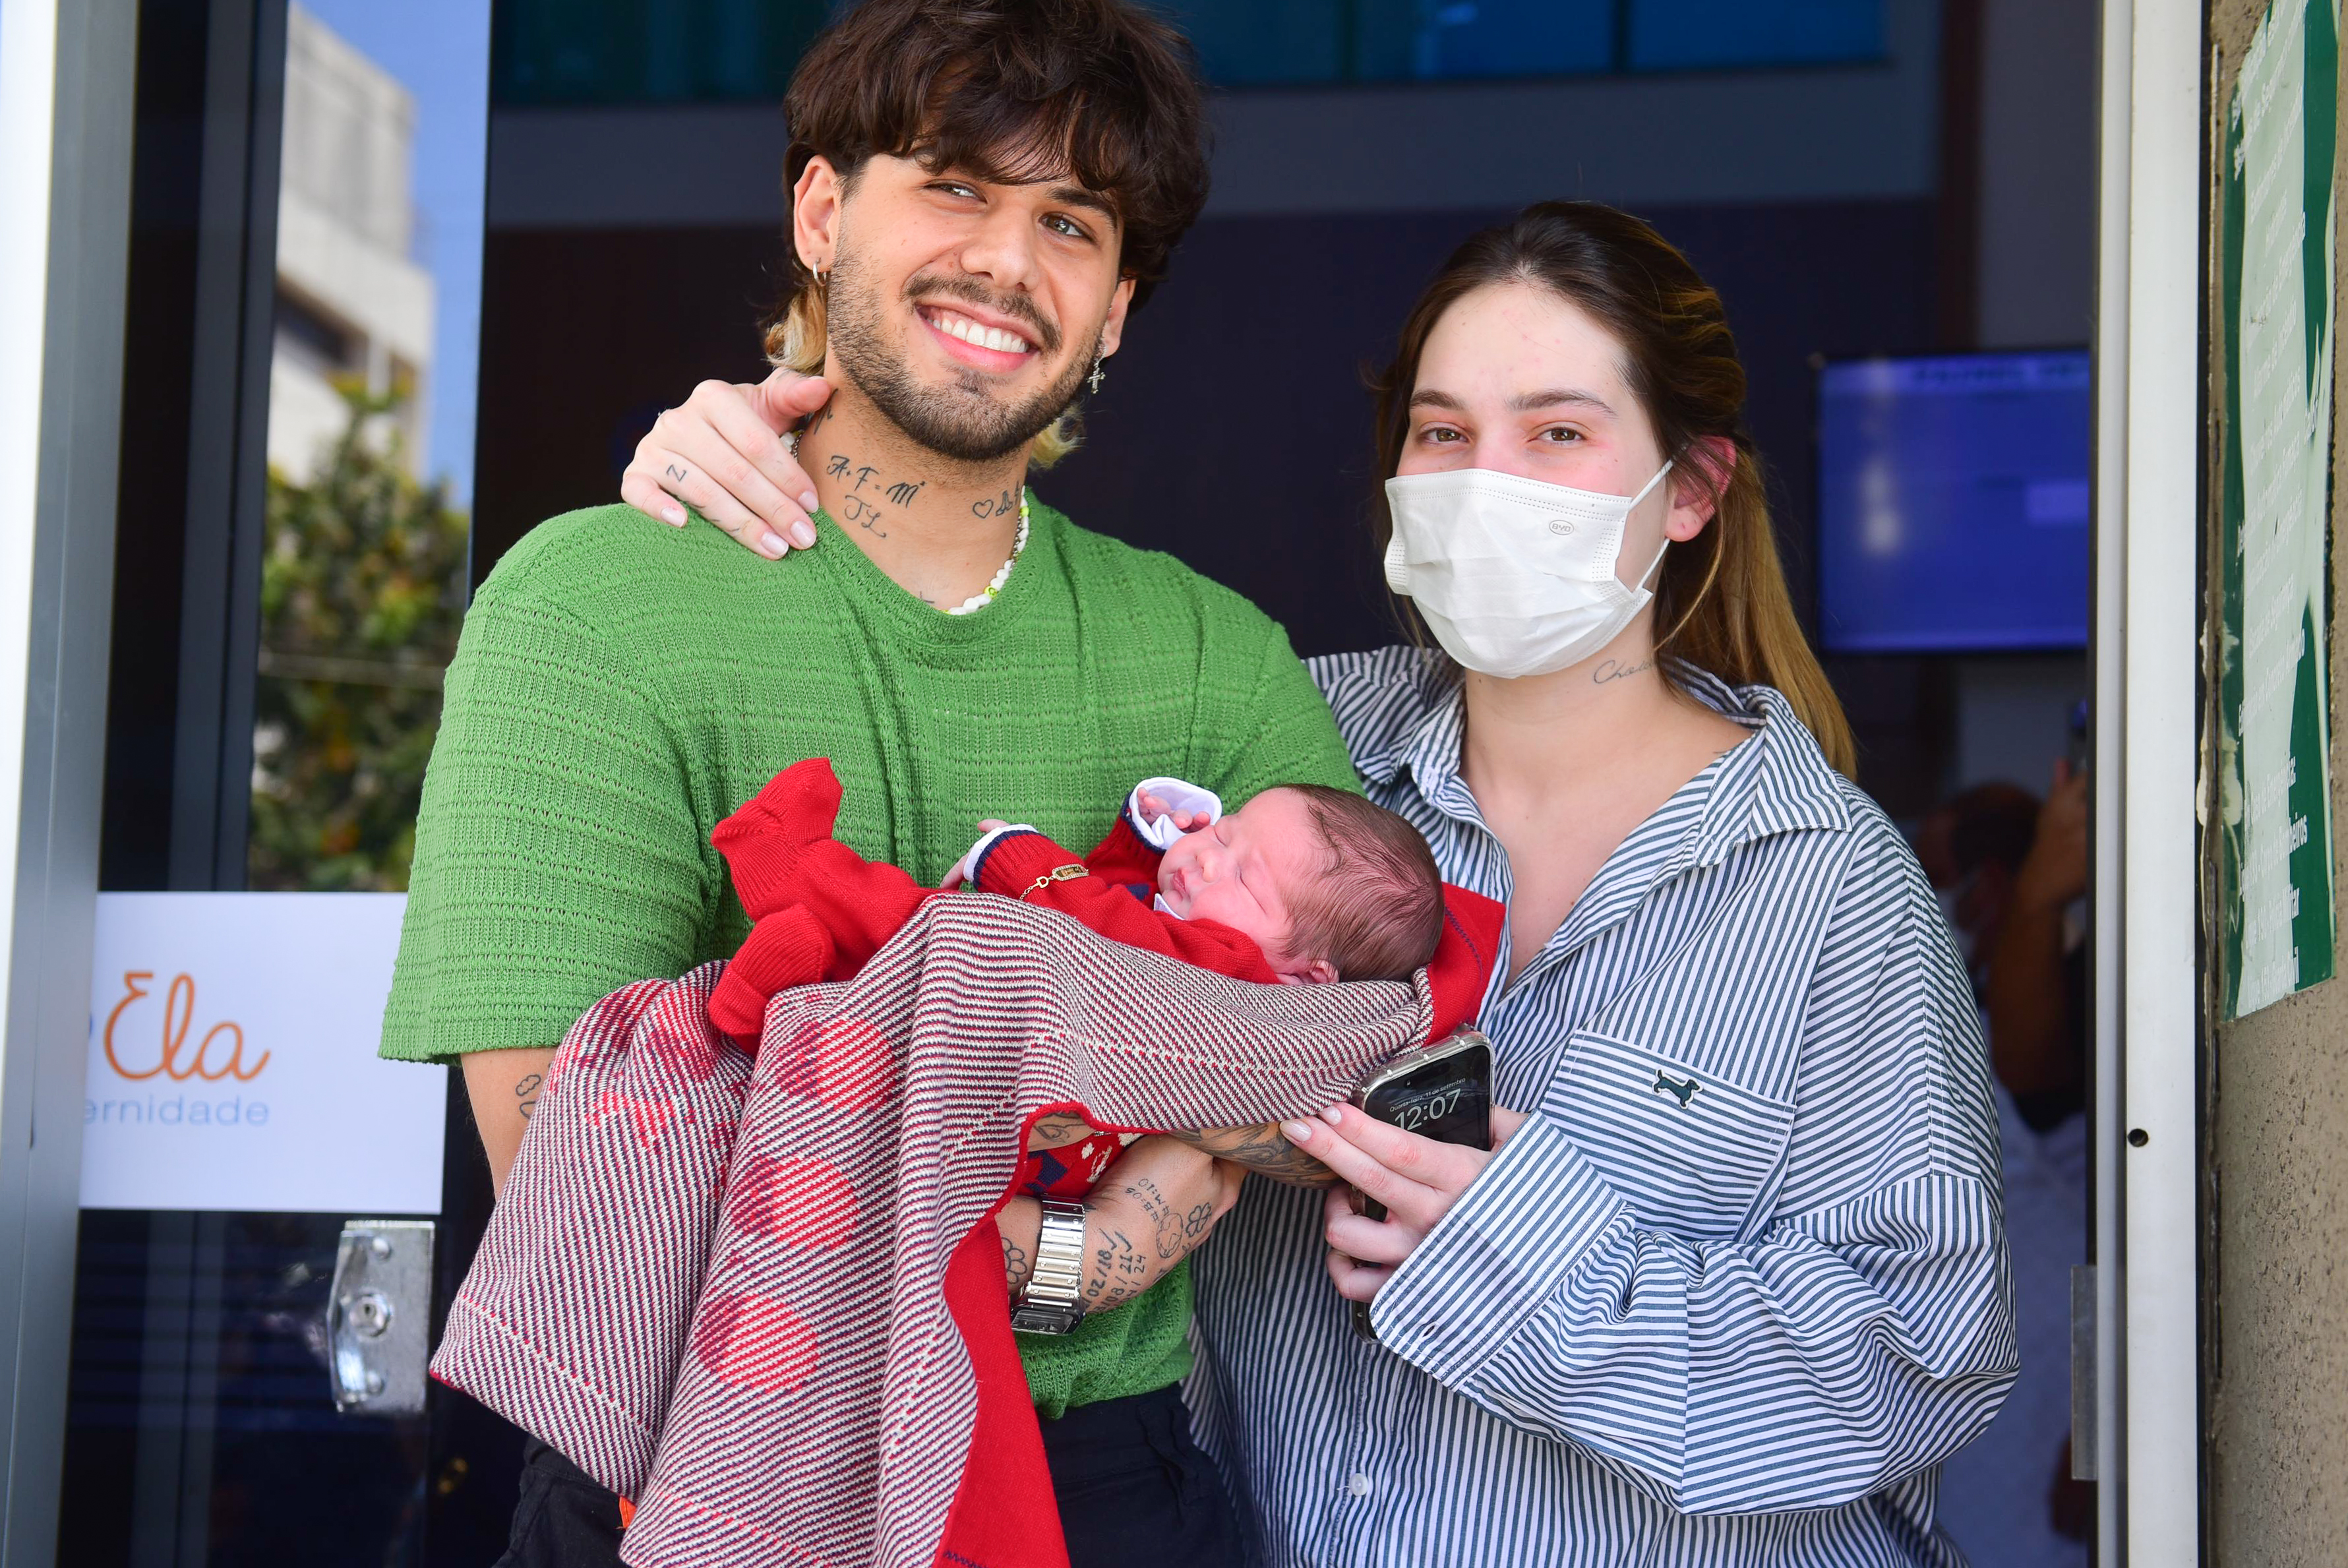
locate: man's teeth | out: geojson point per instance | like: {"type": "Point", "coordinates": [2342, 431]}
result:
{"type": "Point", "coordinates": [971, 333]}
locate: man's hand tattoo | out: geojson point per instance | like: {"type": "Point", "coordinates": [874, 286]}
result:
{"type": "Point", "coordinates": [1262, 1149]}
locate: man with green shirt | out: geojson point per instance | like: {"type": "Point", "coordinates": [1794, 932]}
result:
{"type": "Point", "coordinates": [981, 194]}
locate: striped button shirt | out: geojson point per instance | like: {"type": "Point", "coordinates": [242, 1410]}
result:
{"type": "Point", "coordinates": [1737, 1285]}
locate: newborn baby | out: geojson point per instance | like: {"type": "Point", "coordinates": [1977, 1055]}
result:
{"type": "Point", "coordinates": [1302, 884]}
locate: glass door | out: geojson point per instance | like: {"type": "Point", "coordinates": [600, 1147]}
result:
{"type": "Point", "coordinates": [260, 1197]}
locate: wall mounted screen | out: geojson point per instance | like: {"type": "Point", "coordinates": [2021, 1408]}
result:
{"type": "Point", "coordinates": [1953, 503]}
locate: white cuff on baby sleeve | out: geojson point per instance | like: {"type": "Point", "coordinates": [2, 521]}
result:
{"type": "Point", "coordinates": [1179, 795]}
{"type": "Point", "coordinates": [968, 864]}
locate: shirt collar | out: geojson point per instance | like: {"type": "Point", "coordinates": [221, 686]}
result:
{"type": "Point", "coordinates": [1778, 781]}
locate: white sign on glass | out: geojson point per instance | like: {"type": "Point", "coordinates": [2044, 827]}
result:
{"type": "Point", "coordinates": [231, 1059]}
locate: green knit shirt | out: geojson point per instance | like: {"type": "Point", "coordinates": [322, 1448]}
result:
{"type": "Point", "coordinates": [620, 686]}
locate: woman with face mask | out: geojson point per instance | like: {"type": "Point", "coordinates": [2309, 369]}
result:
{"type": "Point", "coordinates": [1734, 1281]}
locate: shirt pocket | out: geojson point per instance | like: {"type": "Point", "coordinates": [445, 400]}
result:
{"type": "Point", "coordinates": [1690, 1152]}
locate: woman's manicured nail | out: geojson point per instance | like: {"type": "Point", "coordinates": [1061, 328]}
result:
{"type": "Point", "coordinates": [773, 546]}
{"type": "Point", "coordinates": [1297, 1132]}
{"type": "Point", "coordinates": [1334, 1116]}
{"type": "Point", "coordinates": [803, 534]}
{"type": "Point", "coordinates": [808, 500]}
{"type": "Point", "coordinates": [674, 515]}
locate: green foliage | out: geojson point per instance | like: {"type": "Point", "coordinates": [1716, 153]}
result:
{"type": "Point", "coordinates": [361, 591]}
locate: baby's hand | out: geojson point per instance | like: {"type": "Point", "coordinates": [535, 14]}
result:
{"type": "Point", "coordinates": [957, 872]}
{"type": "Point", "coordinates": [1153, 809]}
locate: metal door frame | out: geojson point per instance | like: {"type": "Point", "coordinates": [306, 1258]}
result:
{"type": "Point", "coordinates": [66, 70]}
{"type": "Point", "coordinates": [2146, 969]}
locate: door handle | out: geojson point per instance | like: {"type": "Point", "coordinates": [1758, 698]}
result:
{"type": "Point", "coordinates": [377, 1313]}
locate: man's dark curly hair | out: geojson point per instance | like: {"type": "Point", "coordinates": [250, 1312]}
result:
{"type": "Point", "coordinates": [1014, 91]}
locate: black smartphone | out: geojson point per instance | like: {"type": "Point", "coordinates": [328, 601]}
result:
{"type": "Point", "coordinates": [1442, 1091]}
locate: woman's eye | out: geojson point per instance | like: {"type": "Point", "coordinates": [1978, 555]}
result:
{"type": "Point", "coordinates": [1560, 436]}
{"type": "Point", "coordinates": [1441, 434]}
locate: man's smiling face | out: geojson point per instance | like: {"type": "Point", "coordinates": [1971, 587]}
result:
{"type": "Point", "coordinates": [968, 311]}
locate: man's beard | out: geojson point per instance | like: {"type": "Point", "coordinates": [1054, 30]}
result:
{"type": "Point", "coordinates": [963, 421]}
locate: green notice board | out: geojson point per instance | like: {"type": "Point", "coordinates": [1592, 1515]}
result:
{"type": "Point", "coordinates": [2274, 730]}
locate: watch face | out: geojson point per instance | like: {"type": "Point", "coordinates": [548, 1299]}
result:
{"type": "Point", "coordinates": [1035, 1318]}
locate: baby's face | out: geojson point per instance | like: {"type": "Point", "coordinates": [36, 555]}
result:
{"type": "Point", "coordinates": [1239, 871]}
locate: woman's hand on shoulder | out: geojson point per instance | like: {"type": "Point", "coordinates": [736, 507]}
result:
{"type": "Point", "coordinates": [1417, 1179]}
{"type": "Point", "coordinates": [721, 452]}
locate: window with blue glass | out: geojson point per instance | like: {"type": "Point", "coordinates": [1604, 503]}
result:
{"type": "Point", "coordinates": [705, 51]}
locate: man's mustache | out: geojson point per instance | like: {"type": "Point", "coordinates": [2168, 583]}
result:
{"type": "Point", "coordinates": [1017, 306]}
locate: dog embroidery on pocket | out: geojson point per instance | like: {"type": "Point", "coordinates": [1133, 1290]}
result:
{"type": "Point", "coordinates": [1682, 1091]}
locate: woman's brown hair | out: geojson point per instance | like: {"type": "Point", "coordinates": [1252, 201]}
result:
{"type": "Point", "coordinates": [1011, 92]}
{"type": "Point", "coordinates": [1721, 603]}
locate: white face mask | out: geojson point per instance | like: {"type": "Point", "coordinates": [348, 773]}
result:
{"type": "Point", "coordinates": [1514, 576]}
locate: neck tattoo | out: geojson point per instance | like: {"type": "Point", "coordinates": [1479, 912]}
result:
{"type": "Point", "coordinates": [1614, 670]}
{"type": "Point", "coordinates": [865, 511]}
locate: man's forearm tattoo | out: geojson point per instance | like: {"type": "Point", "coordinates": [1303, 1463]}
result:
{"type": "Point", "coordinates": [1118, 1272]}
{"type": "Point", "coordinates": [1263, 1149]}
{"type": "Point", "coordinates": [1016, 1265]}
{"type": "Point", "coordinates": [1165, 1221]}
{"type": "Point", "coordinates": [526, 1093]}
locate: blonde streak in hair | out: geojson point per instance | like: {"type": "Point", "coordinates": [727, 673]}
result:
{"type": "Point", "coordinates": [801, 339]}
{"type": "Point", "coordinates": [1061, 437]}
{"type": "Point", "coordinates": [1742, 625]}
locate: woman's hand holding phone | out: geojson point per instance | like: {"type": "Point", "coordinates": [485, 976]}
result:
{"type": "Point", "coordinates": [1416, 1179]}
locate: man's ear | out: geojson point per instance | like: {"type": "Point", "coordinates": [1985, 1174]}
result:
{"type": "Point", "coordinates": [1113, 329]}
{"type": "Point", "coordinates": [1320, 972]}
{"type": "Point", "coordinates": [815, 214]}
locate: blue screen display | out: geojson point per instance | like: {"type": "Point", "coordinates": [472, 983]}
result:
{"type": "Point", "coordinates": [1953, 503]}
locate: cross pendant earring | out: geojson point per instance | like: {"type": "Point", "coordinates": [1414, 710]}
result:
{"type": "Point", "coordinates": [1095, 379]}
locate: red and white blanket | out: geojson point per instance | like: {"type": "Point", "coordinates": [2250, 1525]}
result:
{"type": "Point", "coordinates": [766, 1300]}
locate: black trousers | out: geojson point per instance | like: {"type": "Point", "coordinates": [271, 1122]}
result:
{"type": "Point", "coordinates": [1135, 1491]}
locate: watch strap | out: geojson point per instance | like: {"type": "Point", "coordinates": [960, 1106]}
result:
{"type": "Point", "coordinates": [1051, 1302]}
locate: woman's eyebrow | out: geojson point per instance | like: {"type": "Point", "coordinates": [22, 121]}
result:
{"type": "Point", "coordinates": [1428, 397]}
{"type": "Point", "coordinates": [1549, 397]}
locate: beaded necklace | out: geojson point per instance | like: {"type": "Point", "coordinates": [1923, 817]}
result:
{"type": "Point", "coordinates": [984, 596]}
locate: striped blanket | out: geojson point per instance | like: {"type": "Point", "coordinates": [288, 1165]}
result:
{"type": "Point", "coordinates": [766, 1300]}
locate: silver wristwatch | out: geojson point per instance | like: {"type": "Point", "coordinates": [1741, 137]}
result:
{"type": "Point", "coordinates": [1049, 1304]}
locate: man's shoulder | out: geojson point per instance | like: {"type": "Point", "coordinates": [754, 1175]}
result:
{"type": "Point", "coordinates": [612, 568]}
{"type": "Point", "coordinates": [1151, 579]}
{"type": "Point", "coordinates": [1381, 697]}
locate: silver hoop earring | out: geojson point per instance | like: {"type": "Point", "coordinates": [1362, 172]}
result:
{"type": "Point", "coordinates": [1095, 379]}
{"type": "Point", "coordinates": [818, 278]}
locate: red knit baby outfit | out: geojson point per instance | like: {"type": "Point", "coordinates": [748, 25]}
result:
{"type": "Point", "coordinates": [822, 911]}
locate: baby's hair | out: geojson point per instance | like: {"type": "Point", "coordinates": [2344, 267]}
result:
{"type": "Point", "coordinates": [1377, 910]}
